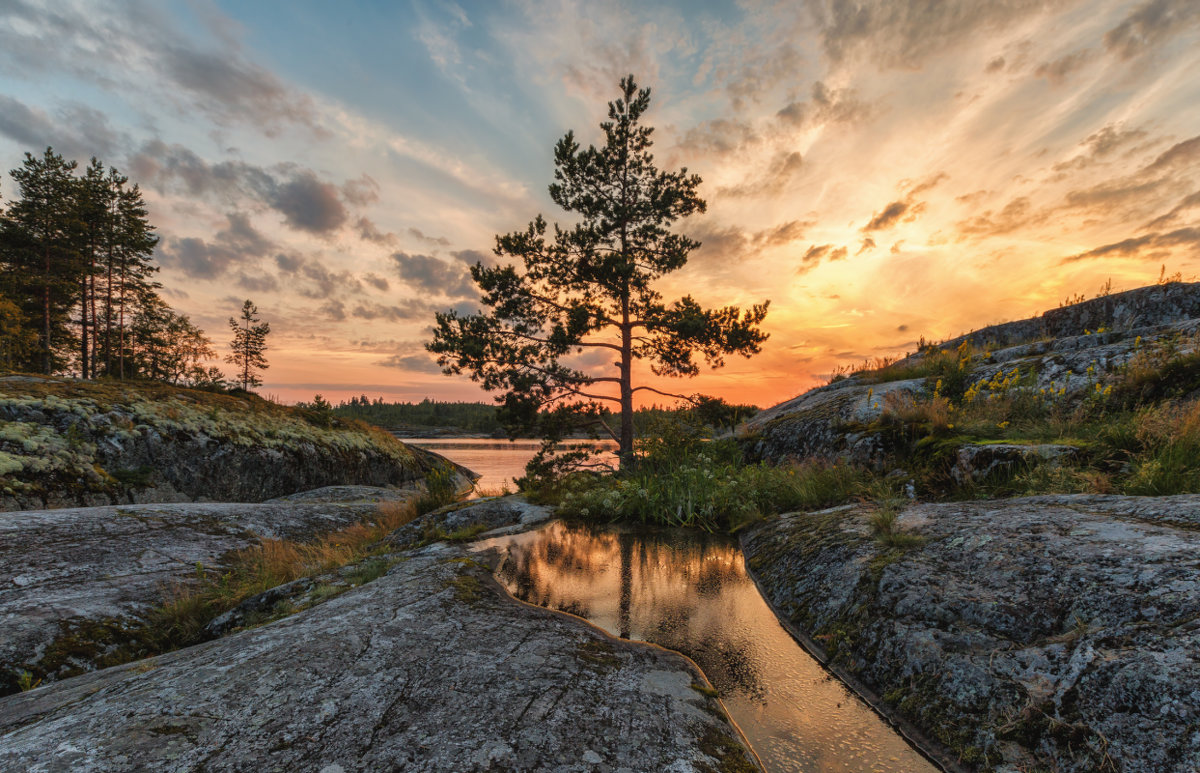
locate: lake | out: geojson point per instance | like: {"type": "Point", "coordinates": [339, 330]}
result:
{"type": "Point", "coordinates": [497, 462]}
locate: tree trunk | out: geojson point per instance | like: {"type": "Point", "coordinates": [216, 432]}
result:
{"type": "Point", "coordinates": [83, 327]}
{"type": "Point", "coordinates": [625, 452]}
{"type": "Point", "coordinates": [46, 313]}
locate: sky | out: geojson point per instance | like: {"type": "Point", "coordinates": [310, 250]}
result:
{"type": "Point", "coordinates": [880, 170]}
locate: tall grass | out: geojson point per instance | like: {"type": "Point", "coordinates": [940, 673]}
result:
{"type": "Point", "coordinates": [707, 487]}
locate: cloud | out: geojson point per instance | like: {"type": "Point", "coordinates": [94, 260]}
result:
{"type": "Point", "coordinates": [904, 33]}
{"type": "Point", "coordinates": [430, 275]}
{"type": "Point", "coordinates": [1134, 247]}
{"type": "Point", "coordinates": [816, 253]}
{"type": "Point", "coordinates": [312, 279]}
{"type": "Point", "coordinates": [784, 168]}
{"type": "Point", "coordinates": [417, 362]}
{"type": "Point", "coordinates": [369, 232]}
{"type": "Point", "coordinates": [238, 244]}
{"type": "Point", "coordinates": [826, 106]}
{"type": "Point", "coordinates": [1170, 171]}
{"type": "Point", "coordinates": [362, 191]}
{"type": "Point", "coordinates": [1150, 26]}
{"type": "Point", "coordinates": [1058, 71]}
{"type": "Point", "coordinates": [1189, 202]}
{"type": "Point", "coordinates": [378, 282]}
{"type": "Point", "coordinates": [145, 50]}
{"type": "Point", "coordinates": [417, 234]}
{"type": "Point", "coordinates": [76, 131]}
{"type": "Point", "coordinates": [1016, 214]}
{"type": "Point", "coordinates": [307, 204]}
{"type": "Point", "coordinates": [888, 217]}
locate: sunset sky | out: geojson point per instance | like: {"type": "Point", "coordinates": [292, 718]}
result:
{"type": "Point", "coordinates": [880, 170]}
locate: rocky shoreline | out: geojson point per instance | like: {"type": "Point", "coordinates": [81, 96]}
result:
{"type": "Point", "coordinates": [432, 667]}
{"type": "Point", "coordinates": [1057, 633]}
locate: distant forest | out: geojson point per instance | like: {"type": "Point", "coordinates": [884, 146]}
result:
{"type": "Point", "coordinates": [482, 418]}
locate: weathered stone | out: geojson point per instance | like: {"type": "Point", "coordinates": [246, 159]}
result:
{"type": "Point", "coordinates": [60, 569]}
{"type": "Point", "coordinates": [977, 463]}
{"type": "Point", "coordinates": [470, 519]}
{"type": "Point", "coordinates": [1054, 632]}
{"type": "Point", "coordinates": [1061, 349]}
{"type": "Point", "coordinates": [429, 668]}
{"type": "Point", "coordinates": [66, 443]}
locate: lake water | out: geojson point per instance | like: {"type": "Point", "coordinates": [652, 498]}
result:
{"type": "Point", "coordinates": [497, 462]}
{"type": "Point", "coordinates": [689, 592]}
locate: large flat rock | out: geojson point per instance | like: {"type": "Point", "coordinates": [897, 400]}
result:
{"type": "Point", "coordinates": [1047, 633]}
{"type": "Point", "coordinates": [60, 569]}
{"type": "Point", "coordinates": [431, 667]}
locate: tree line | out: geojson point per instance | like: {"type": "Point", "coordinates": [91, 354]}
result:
{"type": "Point", "coordinates": [485, 418]}
{"type": "Point", "coordinates": [77, 287]}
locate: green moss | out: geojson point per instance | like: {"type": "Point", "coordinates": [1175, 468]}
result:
{"type": "Point", "coordinates": [729, 753]}
{"type": "Point", "coordinates": [467, 588]}
{"type": "Point", "coordinates": [598, 655]}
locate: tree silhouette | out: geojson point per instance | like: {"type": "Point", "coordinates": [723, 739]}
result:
{"type": "Point", "coordinates": [590, 288]}
{"type": "Point", "coordinates": [248, 346]}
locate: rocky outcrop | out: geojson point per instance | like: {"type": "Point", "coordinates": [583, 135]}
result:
{"type": "Point", "coordinates": [1057, 633]}
{"type": "Point", "coordinates": [75, 582]}
{"type": "Point", "coordinates": [431, 667]}
{"type": "Point", "coordinates": [67, 443]}
{"type": "Point", "coordinates": [1066, 352]}
{"type": "Point", "coordinates": [975, 463]}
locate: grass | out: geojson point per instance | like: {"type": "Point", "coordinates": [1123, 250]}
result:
{"type": "Point", "coordinates": [189, 606]}
{"type": "Point", "coordinates": [705, 486]}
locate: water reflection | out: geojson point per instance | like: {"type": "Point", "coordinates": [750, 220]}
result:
{"type": "Point", "coordinates": [497, 462]}
{"type": "Point", "coordinates": [689, 592]}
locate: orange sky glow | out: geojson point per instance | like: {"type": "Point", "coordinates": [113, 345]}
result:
{"type": "Point", "coordinates": [880, 170]}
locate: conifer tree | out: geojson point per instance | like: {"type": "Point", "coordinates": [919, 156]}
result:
{"type": "Point", "coordinates": [40, 248]}
{"type": "Point", "coordinates": [590, 287]}
{"type": "Point", "coordinates": [247, 350]}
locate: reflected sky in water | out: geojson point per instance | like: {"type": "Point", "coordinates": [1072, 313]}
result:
{"type": "Point", "coordinates": [496, 461]}
{"type": "Point", "coordinates": [689, 592]}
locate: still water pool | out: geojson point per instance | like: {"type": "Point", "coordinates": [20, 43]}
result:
{"type": "Point", "coordinates": [497, 462]}
{"type": "Point", "coordinates": [690, 592]}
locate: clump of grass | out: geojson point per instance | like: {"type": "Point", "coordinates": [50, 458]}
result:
{"type": "Point", "coordinates": [887, 531]}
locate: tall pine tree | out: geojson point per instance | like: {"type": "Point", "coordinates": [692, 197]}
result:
{"type": "Point", "coordinates": [590, 287]}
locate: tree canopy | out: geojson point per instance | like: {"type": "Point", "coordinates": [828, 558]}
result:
{"type": "Point", "coordinates": [590, 287]}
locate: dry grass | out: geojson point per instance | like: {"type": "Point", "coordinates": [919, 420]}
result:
{"type": "Point", "coordinates": [933, 413]}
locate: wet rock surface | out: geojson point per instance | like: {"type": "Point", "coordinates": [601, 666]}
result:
{"type": "Point", "coordinates": [431, 667]}
{"type": "Point", "coordinates": [470, 519]}
{"type": "Point", "coordinates": [63, 569]}
{"type": "Point", "coordinates": [1047, 633]}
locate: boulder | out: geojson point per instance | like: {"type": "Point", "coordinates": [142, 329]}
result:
{"type": "Point", "coordinates": [1054, 632]}
{"type": "Point", "coordinates": [976, 463]}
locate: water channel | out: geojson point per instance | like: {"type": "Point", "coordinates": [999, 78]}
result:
{"type": "Point", "coordinates": [689, 592]}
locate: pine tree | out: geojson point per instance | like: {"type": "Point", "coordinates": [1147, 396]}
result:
{"type": "Point", "coordinates": [590, 287]}
{"type": "Point", "coordinates": [40, 240]}
{"type": "Point", "coordinates": [248, 346]}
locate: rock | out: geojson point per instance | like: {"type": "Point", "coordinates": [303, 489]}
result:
{"type": "Point", "coordinates": [977, 463]}
{"type": "Point", "coordinates": [470, 519]}
{"type": "Point", "coordinates": [1053, 632]}
{"type": "Point", "coordinates": [66, 443]}
{"type": "Point", "coordinates": [830, 423]}
{"type": "Point", "coordinates": [1059, 348]}
{"type": "Point", "coordinates": [73, 580]}
{"type": "Point", "coordinates": [431, 667]}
